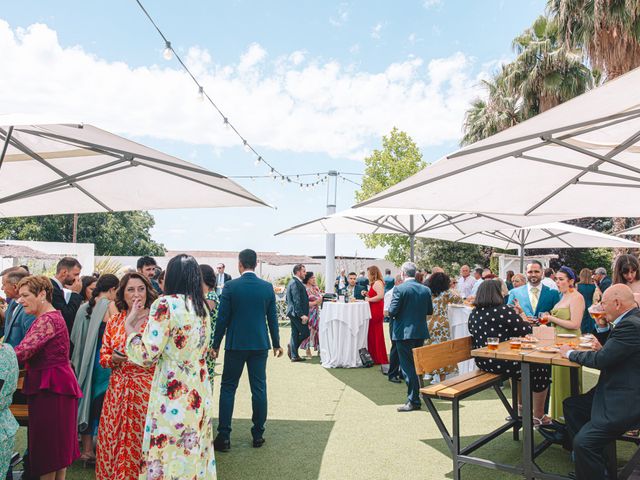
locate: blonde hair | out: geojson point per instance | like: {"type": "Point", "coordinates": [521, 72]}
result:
{"type": "Point", "coordinates": [585, 276]}
{"type": "Point", "coordinates": [37, 284]}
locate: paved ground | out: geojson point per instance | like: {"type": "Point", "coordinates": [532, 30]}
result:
{"type": "Point", "coordinates": [342, 424]}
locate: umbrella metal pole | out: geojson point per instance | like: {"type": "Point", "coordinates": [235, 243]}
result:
{"type": "Point", "coordinates": [6, 145]}
{"type": "Point", "coordinates": [330, 252]}
{"type": "Point", "coordinates": [412, 240]}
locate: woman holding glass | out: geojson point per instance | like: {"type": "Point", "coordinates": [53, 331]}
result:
{"type": "Point", "coordinates": [119, 451]}
{"type": "Point", "coordinates": [566, 317]}
{"type": "Point", "coordinates": [315, 299]}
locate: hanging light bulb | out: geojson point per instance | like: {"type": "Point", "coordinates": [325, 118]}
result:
{"type": "Point", "coordinates": [201, 93]}
{"type": "Point", "coordinates": [226, 123]}
{"type": "Point", "coordinates": [272, 173]}
{"type": "Point", "coordinates": [258, 160]}
{"type": "Point", "coordinates": [246, 146]}
{"type": "Point", "coordinates": [167, 53]}
{"type": "Point", "coordinates": [282, 179]}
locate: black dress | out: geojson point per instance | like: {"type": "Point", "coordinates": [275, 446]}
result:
{"type": "Point", "coordinates": [503, 322]}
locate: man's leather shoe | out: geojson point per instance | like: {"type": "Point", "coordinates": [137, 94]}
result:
{"type": "Point", "coordinates": [395, 380]}
{"type": "Point", "coordinates": [297, 359]}
{"type": "Point", "coordinates": [258, 442]}
{"type": "Point", "coordinates": [557, 436]}
{"type": "Point", "coordinates": [221, 444]}
{"type": "Point", "coordinates": [408, 407]}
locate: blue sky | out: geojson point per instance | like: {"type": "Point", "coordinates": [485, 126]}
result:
{"type": "Point", "coordinates": [312, 85]}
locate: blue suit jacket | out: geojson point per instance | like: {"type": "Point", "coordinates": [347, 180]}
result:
{"type": "Point", "coordinates": [547, 300]}
{"type": "Point", "coordinates": [16, 324]}
{"type": "Point", "coordinates": [247, 308]}
{"type": "Point", "coordinates": [410, 305]}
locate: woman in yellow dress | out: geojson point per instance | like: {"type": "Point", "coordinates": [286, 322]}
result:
{"type": "Point", "coordinates": [566, 317]}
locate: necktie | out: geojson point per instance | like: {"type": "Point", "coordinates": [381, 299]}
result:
{"type": "Point", "coordinates": [535, 294]}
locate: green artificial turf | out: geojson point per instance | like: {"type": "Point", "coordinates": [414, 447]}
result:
{"type": "Point", "coordinates": [342, 424]}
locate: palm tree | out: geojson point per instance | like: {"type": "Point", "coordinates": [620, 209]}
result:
{"type": "Point", "coordinates": [498, 112]}
{"type": "Point", "coordinates": [545, 73]}
{"type": "Point", "coordinates": [608, 33]}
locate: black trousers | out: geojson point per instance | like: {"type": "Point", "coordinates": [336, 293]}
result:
{"type": "Point", "coordinates": [589, 442]}
{"type": "Point", "coordinates": [234, 362]}
{"type": "Point", "coordinates": [394, 360]}
{"type": "Point", "coordinates": [299, 333]}
{"type": "Point", "coordinates": [405, 354]}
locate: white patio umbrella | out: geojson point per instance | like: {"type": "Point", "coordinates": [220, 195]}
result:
{"type": "Point", "coordinates": [411, 222]}
{"type": "Point", "coordinates": [550, 235]}
{"type": "Point", "coordinates": [581, 158]}
{"type": "Point", "coordinates": [71, 168]}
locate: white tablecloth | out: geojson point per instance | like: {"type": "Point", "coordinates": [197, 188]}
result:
{"type": "Point", "coordinates": [343, 332]}
{"type": "Point", "coordinates": [459, 328]}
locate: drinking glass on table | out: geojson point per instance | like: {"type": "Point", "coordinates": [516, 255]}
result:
{"type": "Point", "coordinates": [492, 343]}
{"type": "Point", "coordinates": [515, 343]}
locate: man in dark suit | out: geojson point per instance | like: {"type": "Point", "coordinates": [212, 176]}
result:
{"type": "Point", "coordinates": [595, 419]}
{"type": "Point", "coordinates": [297, 311]}
{"type": "Point", "coordinates": [363, 280]}
{"type": "Point", "coordinates": [67, 276]}
{"type": "Point", "coordinates": [148, 267]}
{"type": "Point", "coordinates": [221, 277]}
{"type": "Point", "coordinates": [410, 305]}
{"type": "Point", "coordinates": [601, 277]}
{"type": "Point", "coordinates": [244, 305]}
{"type": "Point", "coordinates": [354, 290]}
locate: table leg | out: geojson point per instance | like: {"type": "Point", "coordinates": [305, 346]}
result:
{"type": "Point", "coordinates": [527, 422]}
{"type": "Point", "coordinates": [575, 384]}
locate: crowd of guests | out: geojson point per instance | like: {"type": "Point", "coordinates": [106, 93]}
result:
{"type": "Point", "coordinates": [130, 363]}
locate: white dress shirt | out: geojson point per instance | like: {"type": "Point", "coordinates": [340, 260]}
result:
{"type": "Point", "coordinates": [466, 285]}
{"type": "Point", "coordinates": [549, 283]}
{"type": "Point", "coordinates": [387, 299]}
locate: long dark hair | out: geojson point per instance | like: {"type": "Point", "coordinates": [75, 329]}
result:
{"type": "Point", "coordinates": [625, 264]}
{"type": "Point", "coordinates": [105, 283]}
{"type": "Point", "coordinates": [87, 281]}
{"type": "Point", "coordinates": [208, 276]}
{"type": "Point", "coordinates": [184, 277]}
{"type": "Point", "coordinates": [121, 305]}
{"type": "Point", "coordinates": [489, 294]}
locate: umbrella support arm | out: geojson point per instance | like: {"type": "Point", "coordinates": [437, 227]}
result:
{"type": "Point", "coordinates": [7, 140]}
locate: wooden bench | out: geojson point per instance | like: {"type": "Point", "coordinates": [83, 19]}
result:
{"type": "Point", "coordinates": [433, 357]}
{"type": "Point", "coordinates": [20, 410]}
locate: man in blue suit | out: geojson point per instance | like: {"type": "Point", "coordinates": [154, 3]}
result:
{"type": "Point", "coordinates": [297, 311]}
{"type": "Point", "coordinates": [16, 321]}
{"type": "Point", "coordinates": [410, 305]}
{"type": "Point", "coordinates": [245, 303]}
{"type": "Point", "coordinates": [534, 297]}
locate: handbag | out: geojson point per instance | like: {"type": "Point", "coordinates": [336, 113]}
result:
{"type": "Point", "coordinates": [365, 358]}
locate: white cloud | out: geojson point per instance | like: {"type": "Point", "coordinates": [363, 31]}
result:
{"type": "Point", "coordinates": [355, 48]}
{"type": "Point", "coordinates": [376, 31]}
{"type": "Point", "coordinates": [297, 106]}
{"type": "Point", "coordinates": [341, 17]}
{"type": "Point", "coordinates": [432, 3]}
{"type": "Point", "coordinates": [254, 55]}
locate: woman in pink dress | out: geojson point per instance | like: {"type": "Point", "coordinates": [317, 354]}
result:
{"type": "Point", "coordinates": [315, 299]}
{"type": "Point", "coordinates": [375, 296]}
{"type": "Point", "coordinates": [50, 385]}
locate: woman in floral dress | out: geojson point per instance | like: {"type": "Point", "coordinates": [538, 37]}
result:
{"type": "Point", "coordinates": [442, 296]}
{"type": "Point", "coordinates": [119, 446]}
{"type": "Point", "coordinates": [178, 434]}
{"type": "Point", "coordinates": [8, 424]}
{"type": "Point", "coordinates": [315, 299]}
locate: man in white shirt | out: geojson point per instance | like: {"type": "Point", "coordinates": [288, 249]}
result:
{"type": "Point", "coordinates": [394, 361]}
{"type": "Point", "coordinates": [480, 275]}
{"type": "Point", "coordinates": [548, 279]}
{"type": "Point", "coordinates": [221, 278]}
{"type": "Point", "coordinates": [465, 281]}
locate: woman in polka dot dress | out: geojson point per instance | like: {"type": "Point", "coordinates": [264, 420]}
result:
{"type": "Point", "coordinates": [492, 318]}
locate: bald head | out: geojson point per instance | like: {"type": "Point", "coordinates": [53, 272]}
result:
{"type": "Point", "coordinates": [616, 300]}
{"type": "Point", "coordinates": [437, 270]}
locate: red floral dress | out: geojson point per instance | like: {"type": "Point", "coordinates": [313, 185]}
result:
{"type": "Point", "coordinates": [119, 451]}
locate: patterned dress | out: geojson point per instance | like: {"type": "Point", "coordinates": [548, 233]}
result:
{"type": "Point", "coordinates": [314, 294]}
{"type": "Point", "coordinates": [119, 451]}
{"type": "Point", "coordinates": [213, 315]}
{"type": "Point", "coordinates": [8, 424]}
{"type": "Point", "coordinates": [439, 326]}
{"type": "Point", "coordinates": [178, 433]}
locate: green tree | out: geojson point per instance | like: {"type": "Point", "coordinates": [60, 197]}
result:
{"type": "Point", "coordinates": [398, 159]}
{"type": "Point", "coordinates": [119, 233]}
{"type": "Point", "coordinates": [450, 255]}
{"type": "Point", "coordinates": [545, 73]}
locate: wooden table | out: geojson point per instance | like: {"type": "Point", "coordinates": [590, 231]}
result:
{"type": "Point", "coordinates": [526, 358]}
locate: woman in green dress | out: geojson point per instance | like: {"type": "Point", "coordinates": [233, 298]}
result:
{"type": "Point", "coordinates": [566, 317]}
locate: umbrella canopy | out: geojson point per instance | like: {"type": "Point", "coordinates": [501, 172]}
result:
{"type": "Point", "coordinates": [581, 158]}
{"type": "Point", "coordinates": [71, 168]}
{"type": "Point", "coordinates": [411, 222]}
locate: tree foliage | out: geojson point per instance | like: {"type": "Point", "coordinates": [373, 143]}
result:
{"type": "Point", "coordinates": [119, 233]}
{"type": "Point", "coordinates": [398, 159]}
